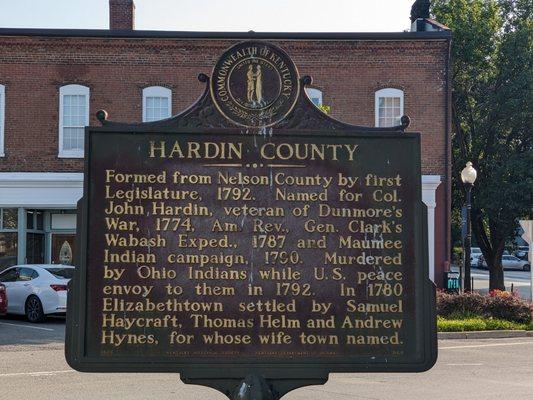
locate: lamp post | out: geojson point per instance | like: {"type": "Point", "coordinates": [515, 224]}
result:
{"type": "Point", "coordinates": [468, 176]}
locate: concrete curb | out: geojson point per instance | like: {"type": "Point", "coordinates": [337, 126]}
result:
{"type": "Point", "coordinates": [484, 334]}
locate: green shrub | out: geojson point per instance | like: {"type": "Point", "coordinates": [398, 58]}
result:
{"type": "Point", "coordinates": [476, 324]}
{"type": "Point", "coordinates": [460, 325]}
{"type": "Point", "coordinates": [500, 324]}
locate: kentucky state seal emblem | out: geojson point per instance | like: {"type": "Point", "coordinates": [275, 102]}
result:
{"type": "Point", "coordinates": [255, 84]}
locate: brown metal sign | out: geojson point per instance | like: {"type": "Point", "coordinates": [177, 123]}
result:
{"type": "Point", "coordinates": [289, 252]}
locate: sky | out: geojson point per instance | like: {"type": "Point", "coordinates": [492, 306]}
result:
{"type": "Point", "coordinates": [216, 15]}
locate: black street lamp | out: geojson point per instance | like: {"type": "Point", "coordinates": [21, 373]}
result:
{"type": "Point", "coordinates": [468, 176]}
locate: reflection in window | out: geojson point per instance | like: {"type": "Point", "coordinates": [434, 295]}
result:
{"type": "Point", "coordinates": [8, 249]}
{"type": "Point", "coordinates": [8, 237]}
{"type": "Point", "coordinates": [9, 276]}
{"type": "Point", "coordinates": [8, 219]}
{"type": "Point", "coordinates": [26, 274]}
{"type": "Point", "coordinates": [315, 95]}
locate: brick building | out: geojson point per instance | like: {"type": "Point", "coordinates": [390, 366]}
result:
{"type": "Point", "coordinates": [52, 81]}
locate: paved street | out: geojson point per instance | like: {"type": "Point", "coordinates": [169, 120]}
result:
{"type": "Point", "coordinates": [32, 366]}
{"type": "Point", "coordinates": [520, 280]}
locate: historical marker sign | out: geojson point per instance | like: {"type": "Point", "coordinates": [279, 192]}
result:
{"type": "Point", "coordinates": [216, 251]}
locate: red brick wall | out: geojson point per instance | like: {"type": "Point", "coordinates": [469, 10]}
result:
{"type": "Point", "coordinates": [121, 14]}
{"type": "Point", "coordinates": [116, 71]}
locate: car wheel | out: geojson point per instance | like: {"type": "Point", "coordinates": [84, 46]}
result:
{"type": "Point", "coordinates": [34, 309]}
{"type": "Point", "coordinates": [527, 267]}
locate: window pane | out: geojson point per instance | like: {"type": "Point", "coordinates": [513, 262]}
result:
{"type": "Point", "coordinates": [9, 276]}
{"type": "Point", "coordinates": [62, 273]}
{"type": "Point", "coordinates": [157, 108]}
{"type": "Point", "coordinates": [389, 111]}
{"type": "Point", "coordinates": [9, 218]}
{"type": "Point", "coordinates": [35, 248]}
{"type": "Point", "coordinates": [8, 249]}
{"type": "Point", "coordinates": [74, 110]}
{"type": "Point", "coordinates": [25, 274]}
{"type": "Point", "coordinates": [39, 216]}
{"type": "Point", "coordinates": [29, 220]}
{"type": "Point", "coordinates": [73, 138]}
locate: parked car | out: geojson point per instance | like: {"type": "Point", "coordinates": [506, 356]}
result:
{"type": "Point", "coordinates": [522, 253]}
{"type": "Point", "coordinates": [508, 262]}
{"type": "Point", "coordinates": [37, 290]}
{"type": "Point", "coordinates": [475, 252]}
{"type": "Point", "coordinates": [3, 299]}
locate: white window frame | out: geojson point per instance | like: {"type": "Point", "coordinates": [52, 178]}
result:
{"type": "Point", "coordinates": [2, 119]}
{"type": "Point", "coordinates": [157, 91]}
{"type": "Point", "coordinates": [314, 93]}
{"type": "Point", "coordinates": [387, 92]}
{"type": "Point", "coordinates": [76, 90]}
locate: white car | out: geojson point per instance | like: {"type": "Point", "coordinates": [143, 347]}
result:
{"type": "Point", "coordinates": [37, 290]}
{"type": "Point", "coordinates": [475, 252]}
{"type": "Point", "coordinates": [508, 262]}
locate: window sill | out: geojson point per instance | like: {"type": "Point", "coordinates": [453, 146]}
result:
{"type": "Point", "coordinates": [68, 154]}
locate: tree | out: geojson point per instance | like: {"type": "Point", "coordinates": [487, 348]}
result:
{"type": "Point", "coordinates": [492, 117]}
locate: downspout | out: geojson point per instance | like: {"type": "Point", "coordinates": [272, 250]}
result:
{"type": "Point", "coordinates": [447, 163]}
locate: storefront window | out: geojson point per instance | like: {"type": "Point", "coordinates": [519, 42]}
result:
{"type": "Point", "coordinates": [8, 249]}
{"type": "Point", "coordinates": [34, 237]}
{"type": "Point", "coordinates": [35, 248]}
{"type": "Point", "coordinates": [39, 220]}
{"type": "Point", "coordinates": [8, 237]}
{"type": "Point", "coordinates": [30, 220]}
{"type": "Point", "coordinates": [9, 219]}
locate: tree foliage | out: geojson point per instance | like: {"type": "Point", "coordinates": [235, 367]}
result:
{"type": "Point", "coordinates": [492, 116]}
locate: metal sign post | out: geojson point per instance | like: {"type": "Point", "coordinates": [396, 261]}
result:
{"type": "Point", "coordinates": [527, 226]}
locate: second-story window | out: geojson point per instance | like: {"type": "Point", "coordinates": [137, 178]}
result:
{"type": "Point", "coordinates": [73, 117]}
{"type": "Point", "coordinates": [389, 107]}
{"type": "Point", "coordinates": [157, 103]}
{"type": "Point", "coordinates": [315, 95]}
{"type": "Point", "coordinates": [2, 117]}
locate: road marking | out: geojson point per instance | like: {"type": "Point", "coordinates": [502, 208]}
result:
{"type": "Point", "coordinates": [27, 326]}
{"type": "Point", "coordinates": [485, 345]}
{"type": "Point", "coordinates": [37, 373]}
{"type": "Point", "coordinates": [465, 365]}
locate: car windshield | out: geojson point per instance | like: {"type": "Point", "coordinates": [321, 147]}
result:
{"type": "Point", "coordinates": [474, 250]}
{"type": "Point", "coordinates": [61, 273]}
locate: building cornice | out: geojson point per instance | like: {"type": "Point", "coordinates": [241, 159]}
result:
{"type": "Point", "coordinates": [141, 34]}
{"type": "Point", "coordinates": [41, 179]}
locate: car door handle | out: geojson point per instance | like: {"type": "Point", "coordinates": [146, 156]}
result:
{"type": "Point", "coordinates": [26, 284]}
